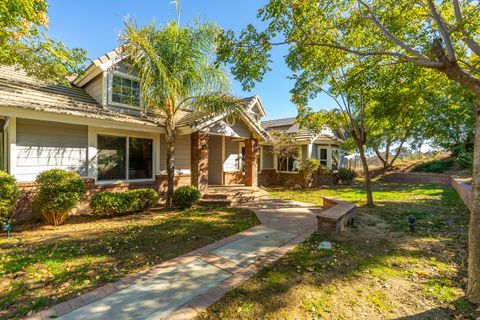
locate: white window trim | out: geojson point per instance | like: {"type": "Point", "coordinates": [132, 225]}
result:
{"type": "Point", "coordinates": [93, 134]}
{"type": "Point", "coordinates": [110, 91]}
{"type": "Point", "coordinates": [329, 154]}
{"type": "Point", "coordinates": [275, 160]}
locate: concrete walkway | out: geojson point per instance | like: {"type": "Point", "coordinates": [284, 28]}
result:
{"type": "Point", "coordinates": [182, 287]}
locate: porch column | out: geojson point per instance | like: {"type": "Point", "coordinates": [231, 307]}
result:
{"type": "Point", "coordinates": [251, 170]}
{"type": "Point", "coordinates": [199, 160]}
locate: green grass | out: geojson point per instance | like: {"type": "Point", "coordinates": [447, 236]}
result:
{"type": "Point", "coordinates": [46, 265]}
{"type": "Point", "coordinates": [378, 269]}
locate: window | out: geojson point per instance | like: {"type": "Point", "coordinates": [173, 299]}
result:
{"type": "Point", "coordinates": [322, 156]}
{"type": "Point", "coordinates": [113, 153]}
{"type": "Point", "coordinates": [140, 158]}
{"type": "Point", "coordinates": [125, 91]}
{"type": "Point", "coordinates": [291, 164]}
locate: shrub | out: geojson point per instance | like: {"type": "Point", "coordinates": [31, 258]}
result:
{"type": "Point", "coordinates": [437, 166]}
{"type": "Point", "coordinates": [58, 192]}
{"type": "Point", "coordinates": [121, 203]}
{"type": "Point", "coordinates": [309, 167]}
{"type": "Point", "coordinates": [186, 196]}
{"type": "Point", "coordinates": [346, 176]}
{"type": "Point", "coordinates": [9, 194]}
{"type": "Point", "coordinates": [324, 170]}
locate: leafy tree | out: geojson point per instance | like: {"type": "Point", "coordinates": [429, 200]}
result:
{"type": "Point", "coordinates": [284, 146]}
{"type": "Point", "coordinates": [24, 43]}
{"type": "Point", "coordinates": [177, 69]}
{"type": "Point", "coordinates": [443, 36]}
{"type": "Point", "coordinates": [399, 96]}
{"type": "Point", "coordinates": [347, 88]}
{"type": "Point", "coordinates": [449, 118]}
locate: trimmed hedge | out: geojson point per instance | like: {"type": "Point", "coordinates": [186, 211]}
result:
{"type": "Point", "coordinates": [122, 203]}
{"type": "Point", "coordinates": [346, 176]}
{"type": "Point", "coordinates": [9, 194]}
{"type": "Point", "coordinates": [58, 192]}
{"type": "Point", "coordinates": [186, 197]}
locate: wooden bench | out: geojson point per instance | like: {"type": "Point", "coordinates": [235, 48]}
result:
{"type": "Point", "coordinates": [336, 213]}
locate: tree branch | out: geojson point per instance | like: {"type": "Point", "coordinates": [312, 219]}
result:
{"type": "Point", "coordinates": [472, 44]}
{"type": "Point", "coordinates": [422, 62]}
{"type": "Point", "coordinates": [389, 35]}
{"type": "Point", "coordinates": [443, 31]}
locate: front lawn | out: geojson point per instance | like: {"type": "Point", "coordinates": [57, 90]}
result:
{"type": "Point", "coordinates": [46, 265]}
{"type": "Point", "coordinates": [377, 269]}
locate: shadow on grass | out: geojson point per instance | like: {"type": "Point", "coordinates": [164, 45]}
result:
{"type": "Point", "coordinates": [432, 260]}
{"type": "Point", "coordinates": [49, 271]}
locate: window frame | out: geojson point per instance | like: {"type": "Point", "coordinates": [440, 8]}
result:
{"type": "Point", "coordinates": [127, 157]}
{"type": "Point", "coordinates": [320, 155]}
{"type": "Point", "coordinates": [110, 90]}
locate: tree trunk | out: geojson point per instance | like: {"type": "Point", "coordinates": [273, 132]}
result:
{"type": "Point", "coordinates": [367, 182]}
{"type": "Point", "coordinates": [399, 149]}
{"type": "Point", "coordinates": [170, 137]}
{"type": "Point", "coordinates": [473, 287]}
{"type": "Point", "coordinates": [380, 157]}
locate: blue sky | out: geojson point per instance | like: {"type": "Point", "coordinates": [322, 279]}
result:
{"type": "Point", "coordinates": [94, 25]}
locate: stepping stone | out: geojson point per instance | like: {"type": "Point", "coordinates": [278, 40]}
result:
{"type": "Point", "coordinates": [156, 297]}
{"type": "Point", "coordinates": [247, 250]}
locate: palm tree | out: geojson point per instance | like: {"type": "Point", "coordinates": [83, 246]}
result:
{"type": "Point", "coordinates": [177, 71]}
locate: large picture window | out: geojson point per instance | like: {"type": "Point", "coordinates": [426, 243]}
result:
{"type": "Point", "coordinates": [291, 164]}
{"type": "Point", "coordinates": [112, 153]}
{"type": "Point", "coordinates": [125, 91]}
{"type": "Point", "coordinates": [140, 158]}
{"type": "Point", "coordinates": [122, 158]}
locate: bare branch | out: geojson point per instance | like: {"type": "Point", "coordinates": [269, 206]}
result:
{"type": "Point", "coordinates": [472, 44]}
{"type": "Point", "coordinates": [390, 36]}
{"type": "Point", "coordinates": [443, 31]}
{"type": "Point", "coordinates": [419, 61]}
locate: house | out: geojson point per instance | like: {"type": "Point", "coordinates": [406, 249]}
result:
{"type": "Point", "coordinates": [99, 127]}
{"type": "Point", "coordinates": [324, 146]}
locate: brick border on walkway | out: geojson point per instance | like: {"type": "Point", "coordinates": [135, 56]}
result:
{"type": "Point", "coordinates": [199, 303]}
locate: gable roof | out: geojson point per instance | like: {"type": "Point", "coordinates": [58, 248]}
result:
{"type": "Point", "coordinates": [19, 90]}
{"type": "Point", "coordinates": [290, 126]}
{"type": "Point", "coordinates": [199, 120]}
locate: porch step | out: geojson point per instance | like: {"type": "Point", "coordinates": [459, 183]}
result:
{"type": "Point", "coordinates": [227, 196]}
{"type": "Point", "coordinates": [215, 196]}
{"type": "Point", "coordinates": [215, 202]}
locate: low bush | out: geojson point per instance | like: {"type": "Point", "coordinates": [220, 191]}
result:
{"type": "Point", "coordinates": [346, 176]}
{"type": "Point", "coordinates": [324, 170]}
{"type": "Point", "coordinates": [436, 166]}
{"type": "Point", "coordinates": [9, 194]}
{"type": "Point", "coordinates": [309, 167]}
{"type": "Point", "coordinates": [58, 192]}
{"type": "Point", "coordinates": [121, 203]}
{"type": "Point", "coordinates": [186, 196]}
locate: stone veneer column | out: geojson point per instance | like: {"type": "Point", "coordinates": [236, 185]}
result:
{"type": "Point", "coordinates": [251, 170]}
{"type": "Point", "coordinates": [199, 160]}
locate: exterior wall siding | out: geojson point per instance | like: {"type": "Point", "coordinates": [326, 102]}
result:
{"type": "Point", "coordinates": [95, 88]}
{"type": "Point", "coordinates": [43, 145]}
{"type": "Point", "coordinates": [267, 158]}
{"type": "Point", "coordinates": [182, 152]}
{"type": "Point", "coordinates": [238, 129]}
